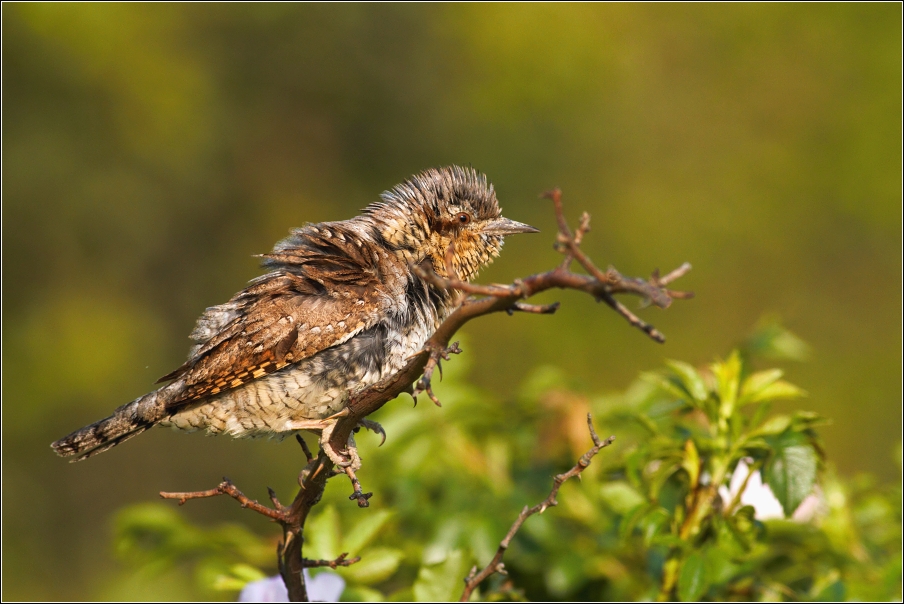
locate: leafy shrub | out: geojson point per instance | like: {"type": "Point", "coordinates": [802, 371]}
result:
{"type": "Point", "coordinates": [706, 495]}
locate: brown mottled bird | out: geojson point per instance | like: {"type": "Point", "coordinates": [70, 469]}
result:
{"type": "Point", "coordinates": [340, 309]}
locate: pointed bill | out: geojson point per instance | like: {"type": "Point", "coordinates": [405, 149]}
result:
{"type": "Point", "coordinates": [504, 226]}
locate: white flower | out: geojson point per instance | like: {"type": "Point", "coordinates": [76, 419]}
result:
{"type": "Point", "coordinates": [760, 496]}
{"type": "Point", "coordinates": [325, 587]}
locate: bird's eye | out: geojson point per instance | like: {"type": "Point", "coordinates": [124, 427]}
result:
{"type": "Point", "coordinates": [463, 218]}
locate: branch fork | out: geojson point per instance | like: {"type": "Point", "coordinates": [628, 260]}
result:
{"type": "Point", "coordinates": [478, 300]}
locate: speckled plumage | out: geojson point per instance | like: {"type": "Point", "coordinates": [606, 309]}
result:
{"type": "Point", "coordinates": [339, 310]}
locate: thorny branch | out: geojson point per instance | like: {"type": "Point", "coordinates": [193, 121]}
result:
{"type": "Point", "coordinates": [496, 565]}
{"type": "Point", "coordinates": [415, 378]}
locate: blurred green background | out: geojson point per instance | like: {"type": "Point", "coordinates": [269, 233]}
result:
{"type": "Point", "coordinates": [149, 150]}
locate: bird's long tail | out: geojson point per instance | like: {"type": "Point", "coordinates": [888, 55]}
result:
{"type": "Point", "coordinates": [126, 422]}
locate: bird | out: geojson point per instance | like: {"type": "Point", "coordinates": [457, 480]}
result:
{"type": "Point", "coordinates": [340, 307]}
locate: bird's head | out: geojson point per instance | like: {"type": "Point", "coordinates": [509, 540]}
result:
{"type": "Point", "coordinates": [420, 218]}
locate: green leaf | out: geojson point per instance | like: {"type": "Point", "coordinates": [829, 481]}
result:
{"type": "Point", "coordinates": [694, 578]}
{"type": "Point", "coordinates": [791, 473]}
{"type": "Point", "coordinates": [227, 583]}
{"type": "Point", "coordinates": [154, 532]}
{"type": "Point", "coordinates": [743, 526]}
{"type": "Point", "coordinates": [633, 416]}
{"type": "Point", "coordinates": [247, 573]}
{"type": "Point", "coordinates": [777, 390]}
{"type": "Point", "coordinates": [621, 497]}
{"type": "Point", "coordinates": [809, 419]}
{"type": "Point", "coordinates": [239, 576]}
{"type": "Point", "coordinates": [441, 582]}
{"type": "Point", "coordinates": [652, 523]}
{"type": "Point", "coordinates": [755, 447]}
{"type": "Point", "coordinates": [669, 385]}
{"type": "Point", "coordinates": [377, 564]}
{"type": "Point", "coordinates": [728, 374]}
{"type": "Point", "coordinates": [771, 340]}
{"type": "Point", "coordinates": [364, 531]}
{"type": "Point", "coordinates": [691, 379]}
{"type": "Point", "coordinates": [629, 522]}
{"type": "Point", "coordinates": [761, 411]}
{"type": "Point", "coordinates": [691, 462]}
{"type": "Point", "coordinates": [670, 541]}
{"type": "Point", "coordinates": [757, 382]}
{"type": "Point", "coordinates": [322, 535]}
{"type": "Point", "coordinates": [828, 588]}
{"type": "Point", "coordinates": [660, 476]}
{"type": "Point", "coordinates": [359, 593]}
{"type": "Point", "coordinates": [720, 566]}
{"type": "Point", "coordinates": [774, 425]}
{"type": "Point", "coordinates": [564, 575]}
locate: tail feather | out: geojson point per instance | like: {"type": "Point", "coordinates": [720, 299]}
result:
{"type": "Point", "coordinates": [126, 422]}
{"type": "Point", "coordinates": [97, 438]}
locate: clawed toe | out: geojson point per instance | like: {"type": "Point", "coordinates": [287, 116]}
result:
{"type": "Point", "coordinates": [374, 427]}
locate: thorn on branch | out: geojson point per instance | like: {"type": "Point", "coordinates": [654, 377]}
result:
{"type": "Point", "coordinates": [304, 447]}
{"type": "Point", "coordinates": [273, 498]}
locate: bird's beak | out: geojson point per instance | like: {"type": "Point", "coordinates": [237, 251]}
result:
{"type": "Point", "coordinates": [504, 226]}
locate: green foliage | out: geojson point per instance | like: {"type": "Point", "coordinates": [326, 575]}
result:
{"type": "Point", "coordinates": [151, 148]}
{"type": "Point", "coordinates": [661, 514]}
{"type": "Point", "coordinates": [157, 540]}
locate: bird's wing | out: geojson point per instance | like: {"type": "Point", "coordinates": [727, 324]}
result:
{"type": "Point", "coordinates": [326, 288]}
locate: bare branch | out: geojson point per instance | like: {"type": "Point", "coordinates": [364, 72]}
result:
{"type": "Point", "coordinates": [675, 274]}
{"type": "Point", "coordinates": [227, 488]}
{"type": "Point", "coordinates": [496, 565]}
{"type": "Point", "coordinates": [539, 309]}
{"type": "Point", "coordinates": [477, 301]}
{"type": "Point", "coordinates": [334, 564]}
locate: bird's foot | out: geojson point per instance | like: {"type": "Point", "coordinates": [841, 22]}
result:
{"type": "Point", "coordinates": [326, 426]}
{"type": "Point", "coordinates": [433, 363]}
{"type": "Point", "coordinates": [375, 427]}
{"type": "Point", "coordinates": [343, 459]}
{"type": "Point", "coordinates": [358, 495]}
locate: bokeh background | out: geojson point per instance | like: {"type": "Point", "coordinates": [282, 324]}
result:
{"type": "Point", "coordinates": [150, 150]}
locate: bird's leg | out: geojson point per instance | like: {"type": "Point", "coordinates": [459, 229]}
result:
{"type": "Point", "coordinates": [433, 363]}
{"type": "Point", "coordinates": [325, 426]}
{"type": "Point", "coordinates": [342, 461]}
{"type": "Point", "coordinates": [352, 448]}
{"type": "Point", "coordinates": [360, 496]}
{"type": "Point", "coordinates": [354, 463]}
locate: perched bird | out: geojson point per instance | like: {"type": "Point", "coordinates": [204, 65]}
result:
{"type": "Point", "coordinates": [340, 309]}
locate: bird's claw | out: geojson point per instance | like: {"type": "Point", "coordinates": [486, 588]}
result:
{"type": "Point", "coordinates": [374, 427]}
{"type": "Point", "coordinates": [433, 363]}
